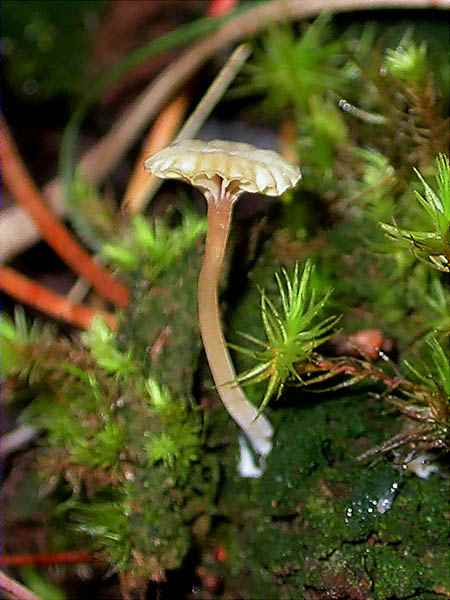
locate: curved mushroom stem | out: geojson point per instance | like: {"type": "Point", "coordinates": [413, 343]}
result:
{"type": "Point", "coordinates": [256, 427]}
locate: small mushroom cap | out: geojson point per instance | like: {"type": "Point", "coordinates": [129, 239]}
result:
{"type": "Point", "coordinates": [249, 168]}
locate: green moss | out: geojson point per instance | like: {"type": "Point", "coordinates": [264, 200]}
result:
{"type": "Point", "coordinates": [312, 522]}
{"type": "Point", "coordinates": [138, 463]}
{"type": "Point", "coordinates": [317, 522]}
{"type": "Point", "coordinates": [161, 328]}
{"type": "Point", "coordinates": [127, 450]}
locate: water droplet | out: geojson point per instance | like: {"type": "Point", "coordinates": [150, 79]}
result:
{"type": "Point", "coordinates": [383, 505]}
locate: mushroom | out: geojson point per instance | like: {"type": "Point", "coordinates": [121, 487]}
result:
{"type": "Point", "coordinates": [223, 170]}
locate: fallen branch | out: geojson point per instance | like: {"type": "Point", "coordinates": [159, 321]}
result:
{"type": "Point", "coordinates": [25, 290]}
{"type": "Point", "coordinates": [24, 191]}
{"type": "Point", "coordinates": [101, 159]}
{"type": "Point", "coordinates": [18, 591]}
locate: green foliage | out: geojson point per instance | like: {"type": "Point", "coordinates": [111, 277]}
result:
{"type": "Point", "coordinates": [14, 335]}
{"type": "Point", "coordinates": [162, 447]}
{"type": "Point", "coordinates": [102, 449]}
{"type": "Point", "coordinates": [108, 523]}
{"type": "Point", "coordinates": [289, 70]}
{"type": "Point", "coordinates": [436, 375]}
{"type": "Point", "coordinates": [102, 343]}
{"type": "Point", "coordinates": [73, 408]}
{"type": "Point", "coordinates": [322, 132]}
{"type": "Point", "coordinates": [20, 343]}
{"type": "Point", "coordinates": [408, 62]}
{"type": "Point", "coordinates": [378, 181]}
{"type": "Point", "coordinates": [107, 426]}
{"type": "Point", "coordinates": [411, 100]}
{"type": "Point", "coordinates": [437, 205]}
{"type": "Point", "coordinates": [123, 452]}
{"type": "Point", "coordinates": [154, 248]}
{"type": "Point", "coordinates": [292, 333]}
{"type": "Point", "coordinates": [430, 246]}
{"type": "Point", "coordinates": [179, 442]}
{"type": "Point", "coordinates": [437, 298]}
{"type": "Point", "coordinates": [159, 395]}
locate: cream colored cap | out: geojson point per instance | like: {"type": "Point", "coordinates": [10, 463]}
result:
{"type": "Point", "coordinates": [249, 168]}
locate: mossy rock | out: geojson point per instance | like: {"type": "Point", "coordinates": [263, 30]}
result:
{"type": "Point", "coordinates": [317, 522]}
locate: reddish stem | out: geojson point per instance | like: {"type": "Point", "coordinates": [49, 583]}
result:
{"type": "Point", "coordinates": [355, 368]}
{"type": "Point", "coordinates": [27, 291]}
{"type": "Point", "coordinates": [23, 189]}
{"type": "Point", "coordinates": [217, 8]}
{"type": "Point", "coordinates": [56, 558]}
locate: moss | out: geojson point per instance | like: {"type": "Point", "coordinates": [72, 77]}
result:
{"type": "Point", "coordinates": [138, 461]}
{"type": "Point", "coordinates": [160, 327]}
{"type": "Point", "coordinates": [126, 452]}
{"type": "Point", "coordinates": [312, 523]}
{"type": "Point", "coordinates": [317, 522]}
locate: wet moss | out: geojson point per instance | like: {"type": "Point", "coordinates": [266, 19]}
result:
{"type": "Point", "coordinates": [318, 522]}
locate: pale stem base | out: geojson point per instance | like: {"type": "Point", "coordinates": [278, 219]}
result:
{"type": "Point", "coordinates": [258, 429]}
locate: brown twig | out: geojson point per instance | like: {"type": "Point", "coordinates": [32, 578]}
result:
{"type": "Point", "coordinates": [215, 92]}
{"type": "Point", "coordinates": [18, 591]}
{"type": "Point", "coordinates": [23, 189]}
{"type": "Point", "coordinates": [101, 159]}
{"type": "Point", "coordinates": [359, 368]}
{"type": "Point", "coordinates": [29, 292]}
{"type": "Point", "coordinates": [159, 136]}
